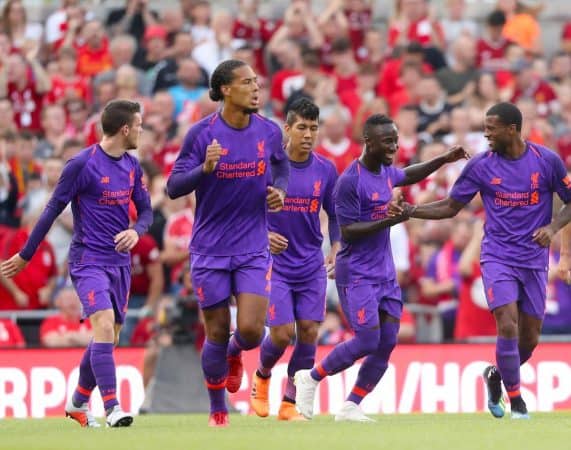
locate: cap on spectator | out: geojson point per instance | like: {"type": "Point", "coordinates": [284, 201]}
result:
{"type": "Point", "coordinates": [155, 31]}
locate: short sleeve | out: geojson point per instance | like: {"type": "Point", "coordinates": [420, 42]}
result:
{"type": "Point", "coordinates": [467, 185]}
{"type": "Point", "coordinates": [347, 204]}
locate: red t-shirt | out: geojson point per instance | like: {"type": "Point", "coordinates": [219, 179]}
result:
{"type": "Point", "coordinates": [284, 83]}
{"type": "Point", "coordinates": [166, 158]}
{"type": "Point", "coordinates": [542, 93]}
{"type": "Point", "coordinates": [34, 276]}
{"type": "Point", "coordinates": [146, 252]}
{"type": "Point", "coordinates": [359, 23]}
{"type": "Point", "coordinates": [491, 55]}
{"type": "Point", "coordinates": [179, 230]}
{"type": "Point", "coordinates": [60, 325]}
{"type": "Point", "coordinates": [473, 317]}
{"type": "Point", "coordinates": [144, 331]}
{"type": "Point", "coordinates": [341, 159]}
{"type": "Point", "coordinates": [256, 37]}
{"type": "Point", "coordinates": [566, 33]}
{"type": "Point", "coordinates": [389, 80]}
{"type": "Point", "coordinates": [420, 31]}
{"type": "Point", "coordinates": [27, 105]}
{"type": "Point", "coordinates": [10, 335]}
{"type": "Point", "coordinates": [92, 61]}
{"type": "Point", "coordinates": [64, 89]}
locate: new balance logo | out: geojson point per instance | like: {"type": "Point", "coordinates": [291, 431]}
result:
{"type": "Point", "coordinates": [375, 196]}
{"type": "Point", "coordinates": [496, 181]}
{"type": "Point", "coordinates": [104, 180]}
{"type": "Point", "coordinates": [224, 152]}
{"type": "Point", "coordinates": [361, 318]}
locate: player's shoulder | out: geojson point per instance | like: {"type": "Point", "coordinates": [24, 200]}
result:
{"type": "Point", "coordinates": [351, 175]}
{"type": "Point", "coordinates": [482, 158]}
{"type": "Point", "coordinates": [265, 123]}
{"type": "Point", "coordinates": [82, 159]}
{"type": "Point", "coordinates": [541, 151]}
{"type": "Point", "coordinates": [325, 163]}
{"type": "Point", "coordinates": [203, 125]}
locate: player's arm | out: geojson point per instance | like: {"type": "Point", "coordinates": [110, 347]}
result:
{"type": "Point", "coordinates": [418, 172]}
{"type": "Point", "coordinates": [279, 165]}
{"type": "Point", "coordinates": [564, 267]}
{"type": "Point", "coordinates": [442, 209]}
{"type": "Point", "coordinates": [68, 185]}
{"type": "Point", "coordinates": [333, 225]}
{"type": "Point", "coordinates": [191, 167]}
{"type": "Point", "coordinates": [347, 208]}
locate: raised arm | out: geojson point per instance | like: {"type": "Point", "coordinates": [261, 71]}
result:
{"type": "Point", "coordinates": [418, 172]}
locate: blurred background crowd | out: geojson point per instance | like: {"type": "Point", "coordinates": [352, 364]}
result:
{"type": "Point", "coordinates": [433, 66]}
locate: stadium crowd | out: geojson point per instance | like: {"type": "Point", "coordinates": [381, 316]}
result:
{"type": "Point", "coordinates": [435, 73]}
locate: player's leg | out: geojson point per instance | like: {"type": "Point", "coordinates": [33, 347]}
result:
{"type": "Point", "coordinates": [529, 332]}
{"type": "Point", "coordinates": [375, 365]}
{"type": "Point", "coordinates": [309, 311]}
{"type": "Point", "coordinates": [280, 318]}
{"type": "Point", "coordinates": [361, 309]}
{"type": "Point", "coordinates": [251, 284]}
{"type": "Point", "coordinates": [531, 310]}
{"type": "Point", "coordinates": [212, 283]}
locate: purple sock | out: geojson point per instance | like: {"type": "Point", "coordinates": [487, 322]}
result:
{"type": "Point", "coordinates": [269, 356]}
{"type": "Point", "coordinates": [215, 369]}
{"type": "Point", "coordinates": [524, 355]}
{"type": "Point", "coordinates": [375, 365]}
{"type": "Point", "coordinates": [303, 357]}
{"type": "Point", "coordinates": [345, 354]}
{"type": "Point", "coordinates": [507, 357]}
{"type": "Point", "coordinates": [86, 382]}
{"type": "Point", "coordinates": [237, 344]}
{"type": "Point", "coordinates": [103, 366]}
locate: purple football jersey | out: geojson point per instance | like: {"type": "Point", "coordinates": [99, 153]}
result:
{"type": "Point", "coordinates": [363, 196]}
{"type": "Point", "coordinates": [311, 187]}
{"type": "Point", "coordinates": [100, 188]}
{"type": "Point", "coordinates": [518, 199]}
{"type": "Point", "coordinates": [230, 202]}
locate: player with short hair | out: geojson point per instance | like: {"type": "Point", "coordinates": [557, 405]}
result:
{"type": "Point", "coordinates": [225, 158]}
{"type": "Point", "coordinates": [516, 179]}
{"type": "Point", "coordinates": [364, 270]}
{"type": "Point", "coordinates": [299, 278]}
{"type": "Point", "coordinates": [100, 182]}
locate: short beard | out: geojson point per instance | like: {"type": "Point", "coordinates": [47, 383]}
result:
{"type": "Point", "coordinates": [250, 110]}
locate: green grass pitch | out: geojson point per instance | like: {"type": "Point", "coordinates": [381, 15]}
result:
{"type": "Point", "coordinates": [550, 431]}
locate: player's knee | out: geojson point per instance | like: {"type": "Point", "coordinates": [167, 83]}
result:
{"type": "Point", "coordinates": [368, 340]}
{"type": "Point", "coordinates": [251, 334]}
{"type": "Point", "coordinates": [529, 341]}
{"type": "Point", "coordinates": [506, 323]}
{"type": "Point", "coordinates": [307, 332]}
{"type": "Point", "coordinates": [282, 336]}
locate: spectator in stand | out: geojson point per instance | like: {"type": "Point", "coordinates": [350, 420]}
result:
{"type": "Point", "coordinates": [22, 162]}
{"type": "Point", "coordinates": [345, 67]}
{"type": "Point", "coordinates": [58, 23]}
{"type": "Point", "coordinates": [409, 142]}
{"type": "Point", "coordinates": [8, 186]}
{"type": "Point", "coordinates": [333, 26]}
{"type": "Point", "coordinates": [22, 33]}
{"type": "Point", "coordinates": [24, 81]}
{"type": "Point", "coordinates": [53, 124]}
{"type": "Point", "coordinates": [132, 19]}
{"type": "Point", "coordinates": [66, 83]}
{"type": "Point", "coordinates": [300, 75]}
{"type": "Point", "coordinates": [163, 105]}
{"type": "Point", "coordinates": [254, 31]}
{"type": "Point", "coordinates": [199, 14]}
{"type": "Point", "coordinates": [189, 86]}
{"type": "Point", "coordinates": [433, 108]}
{"type": "Point", "coordinates": [93, 55]}
{"type": "Point", "coordinates": [458, 78]}
{"type": "Point", "coordinates": [7, 122]}
{"type": "Point", "coordinates": [461, 134]}
{"type": "Point", "coordinates": [528, 84]}
{"type": "Point", "coordinates": [122, 49]}
{"type": "Point", "coordinates": [209, 53]}
{"type": "Point", "coordinates": [560, 70]}
{"type": "Point", "coordinates": [152, 53]}
{"type": "Point", "coordinates": [359, 15]}
{"type": "Point", "coordinates": [355, 99]}
{"type": "Point", "coordinates": [411, 75]}
{"type": "Point", "coordinates": [456, 24]}
{"type": "Point", "coordinates": [79, 124]}
{"type": "Point", "coordinates": [491, 48]}
{"type": "Point", "coordinates": [485, 95]}
{"type": "Point", "coordinates": [390, 78]}
{"type": "Point", "coordinates": [71, 147]}
{"type": "Point", "coordinates": [414, 22]}
{"type": "Point", "coordinates": [335, 144]}
{"type": "Point", "coordinates": [473, 318]}
{"type": "Point", "coordinates": [32, 288]}
{"type": "Point", "coordinates": [372, 51]}
{"type": "Point", "coordinates": [521, 26]}
{"type": "Point", "coordinates": [65, 328]}
{"type": "Point", "coordinates": [10, 335]}
{"type": "Point", "coordinates": [534, 128]}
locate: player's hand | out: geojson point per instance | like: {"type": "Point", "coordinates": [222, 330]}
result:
{"type": "Point", "coordinates": [564, 268]}
{"type": "Point", "coordinates": [275, 199]}
{"type": "Point", "coordinates": [213, 153]}
{"type": "Point", "coordinates": [21, 298]}
{"type": "Point", "coordinates": [543, 236]}
{"type": "Point", "coordinates": [126, 240]}
{"type": "Point", "coordinates": [12, 266]}
{"type": "Point", "coordinates": [278, 243]}
{"type": "Point", "coordinates": [330, 261]}
{"type": "Point", "coordinates": [456, 153]}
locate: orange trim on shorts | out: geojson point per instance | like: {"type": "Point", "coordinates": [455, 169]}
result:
{"type": "Point", "coordinates": [82, 390]}
{"type": "Point", "coordinates": [108, 397]}
{"type": "Point", "coordinates": [216, 387]}
{"type": "Point", "coordinates": [512, 394]}
{"type": "Point", "coordinates": [359, 391]}
{"type": "Point", "coordinates": [321, 371]}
